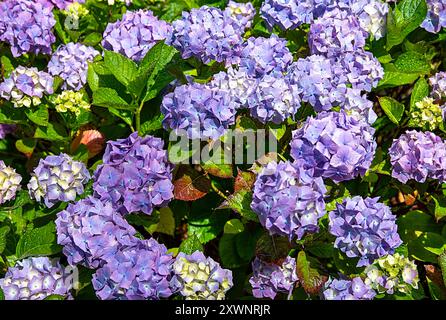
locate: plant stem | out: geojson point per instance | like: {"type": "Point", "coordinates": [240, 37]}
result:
{"type": "Point", "coordinates": [138, 117]}
{"type": "Point", "coordinates": [221, 194]}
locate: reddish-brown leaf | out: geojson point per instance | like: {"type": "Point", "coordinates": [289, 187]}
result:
{"type": "Point", "coordinates": [190, 185]}
{"type": "Point", "coordinates": [244, 181]}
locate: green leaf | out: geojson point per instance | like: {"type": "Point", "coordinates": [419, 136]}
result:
{"type": "Point", "coordinates": [52, 132]}
{"type": "Point", "coordinates": [7, 66]}
{"type": "Point", "coordinates": [405, 18]}
{"type": "Point", "coordinates": [309, 277]}
{"type": "Point", "coordinates": [442, 263]}
{"type": "Point", "coordinates": [245, 244]}
{"type": "Point", "coordinates": [26, 145]}
{"type": "Point", "coordinates": [412, 62]}
{"type": "Point", "coordinates": [124, 69]}
{"type": "Point", "coordinates": [272, 248]}
{"type": "Point", "coordinates": [92, 39]}
{"type": "Point", "coordinates": [394, 78]}
{"type": "Point", "coordinates": [440, 206]}
{"type": "Point", "coordinates": [427, 247]}
{"type": "Point", "coordinates": [233, 226]}
{"type": "Point", "coordinates": [166, 223]}
{"type": "Point", "coordinates": [321, 250]}
{"type": "Point", "coordinates": [107, 97]}
{"type": "Point", "coordinates": [92, 77]}
{"type": "Point", "coordinates": [392, 108]}
{"type": "Point", "coordinates": [414, 223]}
{"type": "Point", "coordinates": [38, 242]}
{"type": "Point", "coordinates": [54, 297]}
{"type": "Point", "coordinates": [190, 245]}
{"type": "Point", "coordinates": [241, 202]}
{"type": "Point", "coordinates": [229, 255]}
{"type": "Point", "coordinates": [278, 130]}
{"type": "Point", "coordinates": [420, 91]}
{"type": "Point", "coordinates": [217, 166]}
{"type": "Point", "coordinates": [3, 234]}
{"type": "Point", "coordinates": [39, 116]}
{"type": "Point", "coordinates": [152, 125]}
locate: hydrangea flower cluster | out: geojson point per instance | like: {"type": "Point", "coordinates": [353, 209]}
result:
{"type": "Point", "coordinates": [364, 228]}
{"type": "Point", "coordinates": [6, 129]}
{"type": "Point", "coordinates": [358, 106]}
{"type": "Point", "coordinates": [58, 178]}
{"type": "Point", "coordinates": [242, 13]}
{"type": "Point", "coordinates": [9, 182]}
{"type": "Point", "coordinates": [427, 114]}
{"type": "Point", "coordinates": [135, 34]}
{"type": "Point", "coordinates": [436, 16]}
{"type": "Point", "coordinates": [274, 99]}
{"type": "Point", "coordinates": [71, 101]}
{"type": "Point", "coordinates": [290, 14]}
{"type": "Point", "coordinates": [70, 62]}
{"type": "Point", "coordinates": [438, 84]}
{"type": "Point", "coordinates": [60, 4]}
{"type": "Point", "coordinates": [199, 110]}
{"type": "Point", "coordinates": [418, 156]}
{"type": "Point", "coordinates": [75, 11]}
{"type": "Point", "coordinates": [354, 289]}
{"type": "Point", "coordinates": [135, 175]}
{"type": "Point", "coordinates": [25, 87]}
{"type": "Point", "coordinates": [392, 273]}
{"type": "Point", "coordinates": [261, 55]}
{"type": "Point", "coordinates": [371, 14]}
{"type": "Point", "coordinates": [208, 33]}
{"type": "Point", "coordinates": [288, 200]}
{"type": "Point", "coordinates": [92, 232]}
{"type": "Point", "coordinates": [269, 279]}
{"type": "Point", "coordinates": [143, 271]}
{"type": "Point", "coordinates": [335, 145]}
{"type": "Point", "coordinates": [36, 279]}
{"type": "Point", "coordinates": [27, 26]}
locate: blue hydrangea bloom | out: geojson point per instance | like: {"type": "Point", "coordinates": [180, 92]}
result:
{"type": "Point", "coordinates": [438, 84]}
{"type": "Point", "coordinates": [358, 106]}
{"type": "Point", "coordinates": [364, 228]}
{"type": "Point", "coordinates": [241, 13]}
{"type": "Point", "coordinates": [436, 16]}
{"type": "Point", "coordinates": [288, 200]}
{"type": "Point", "coordinates": [60, 4]}
{"type": "Point", "coordinates": [335, 145]}
{"type": "Point", "coordinates": [6, 129]}
{"type": "Point", "coordinates": [354, 289]}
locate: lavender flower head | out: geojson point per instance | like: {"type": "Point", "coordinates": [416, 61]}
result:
{"type": "Point", "coordinates": [261, 55]}
{"type": "Point", "coordinates": [290, 14]}
{"type": "Point", "coordinates": [135, 175]}
{"type": "Point", "coordinates": [36, 279]}
{"type": "Point", "coordinates": [372, 15]}
{"type": "Point", "coordinates": [319, 81]}
{"type": "Point", "coordinates": [26, 87]}
{"type": "Point", "coordinates": [364, 228]}
{"type": "Point", "coordinates": [60, 4]}
{"type": "Point", "coordinates": [354, 289]}
{"type": "Point", "coordinates": [436, 16]}
{"type": "Point", "coordinates": [58, 178]}
{"type": "Point", "coordinates": [9, 182]}
{"type": "Point", "coordinates": [135, 34]}
{"type": "Point", "coordinates": [6, 129]}
{"type": "Point", "coordinates": [199, 110]}
{"type": "Point", "coordinates": [208, 34]}
{"type": "Point", "coordinates": [143, 271]}
{"type": "Point", "coordinates": [274, 99]}
{"type": "Point", "coordinates": [438, 84]}
{"type": "Point", "coordinates": [70, 62]}
{"type": "Point", "coordinates": [200, 278]}
{"type": "Point", "coordinates": [335, 145]}
{"type": "Point", "coordinates": [418, 156]}
{"type": "Point", "coordinates": [242, 13]}
{"type": "Point", "coordinates": [92, 232]}
{"type": "Point", "coordinates": [358, 106]}
{"type": "Point", "coordinates": [269, 279]}
{"type": "Point", "coordinates": [27, 26]}
{"type": "Point", "coordinates": [336, 32]}
{"type": "Point", "coordinates": [288, 200]}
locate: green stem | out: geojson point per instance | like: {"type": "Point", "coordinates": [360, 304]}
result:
{"type": "Point", "coordinates": [221, 194]}
{"type": "Point", "coordinates": [138, 117]}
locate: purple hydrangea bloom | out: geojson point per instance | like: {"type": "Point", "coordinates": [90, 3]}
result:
{"type": "Point", "coordinates": [261, 55]}
{"type": "Point", "coordinates": [336, 32]}
{"type": "Point", "coordinates": [354, 289]}
{"type": "Point", "coordinates": [436, 16]}
{"type": "Point", "coordinates": [242, 13]}
{"type": "Point", "coordinates": [364, 228]}
{"type": "Point", "coordinates": [9, 182]}
{"type": "Point", "coordinates": [208, 34]}
{"type": "Point", "coordinates": [237, 82]}
{"type": "Point", "coordinates": [438, 84]}
{"type": "Point", "coordinates": [358, 106]}
{"type": "Point", "coordinates": [335, 145]}
{"type": "Point", "coordinates": [70, 62]}
{"type": "Point", "coordinates": [371, 14]}
{"type": "Point", "coordinates": [92, 232]}
{"type": "Point", "coordinates": [200, 278]}
{"type": "Point", "coordinates": [143, 271]}
{"type": "Point", "coordinates": [60, 4]}
{"type": "Point", "coordinates": [321, 83]}
{"type": "Point", "coordinates": [26, 86]}
{"type": "Point", "coordinates": [6, 129]}
{"type": "Point", "coordinates": [36, 279]}
{"type": "Point", "coordinates": [58, 178]}
{"type": "Point", "coordinates": [274, 99]}
{"type": "Point", "coordinates": [135, 175]}
{"type": "Point", "coordinates": [288, 200]}
{"type": "Point", "coordinates": [202, 111]}
{"type": "Point", "coordinates": [290, 14]}
{"type": "Point", "coordinates": [269, 279]}
{"type": "Point", "coordinates": [362, 69]}
{"type": "Point", "coordinates": [26, 26]}
{"type": "Point", "coordinates": [135, 34]}
{"type": "Point", "coordinates": [418, 156]}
